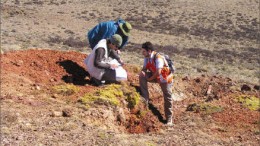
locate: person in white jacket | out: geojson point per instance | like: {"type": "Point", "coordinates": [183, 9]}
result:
{"type": "Point", "coordinates": [104, 64]}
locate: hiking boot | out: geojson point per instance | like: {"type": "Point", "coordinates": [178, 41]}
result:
{"type": "Point", "coordinates": [169, 123]}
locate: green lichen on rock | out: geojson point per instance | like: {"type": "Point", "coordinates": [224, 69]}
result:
{"type": "Point", "coordinates": [66, 89]}
{"type": "Point", "coordinates": [250, 102]}
{"type": "Point", "coordinates": [204, 108]}
{"type": "Point", "coordinates": [113, 94]}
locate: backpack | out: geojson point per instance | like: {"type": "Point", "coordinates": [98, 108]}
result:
{"type": "Point", "coordinates": [168, 59]}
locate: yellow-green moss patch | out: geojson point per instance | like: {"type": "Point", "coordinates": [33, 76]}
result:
{"type": "Point", "coordinates": [251, 102]}
{"type": "Point", "coordinates": [132, 97]}
{"type": "Point", "coordinates": [204, 108]}
{"type": "Point", "coordinates": [113, 95]}
{"type": "Point", "coordinates": [141, 113]}
{"type": "Point", "coordinates": [66, 89]}
{"type": "Point", "coordinates": [109, 96]}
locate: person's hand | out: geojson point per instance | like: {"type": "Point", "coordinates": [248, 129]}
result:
{"type": "Point", "coordinates": [149, 79]}
{"type": "Point", "coordinates": [142, 73]}
{"type": "Point", "coordinates": [121, 62]}
{"type": "Point", "coordinates": [113, 66]}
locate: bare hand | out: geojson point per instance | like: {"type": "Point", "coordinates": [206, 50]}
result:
{"type": "Point", "coordinates": [121, 62]}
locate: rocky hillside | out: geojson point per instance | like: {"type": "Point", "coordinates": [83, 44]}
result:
{"type": "Point", "coordinates": [48, 99]}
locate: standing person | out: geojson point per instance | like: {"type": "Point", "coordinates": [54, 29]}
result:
{"type": "Point", "coordinates": [155, 69]}
{"type": "Point", "coordinates": [99, 63]}
{"type": "Point", "coordinates": [106, 29]}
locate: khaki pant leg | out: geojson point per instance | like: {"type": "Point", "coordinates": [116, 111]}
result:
{"type": "Point", "coordinates": [167, 94]}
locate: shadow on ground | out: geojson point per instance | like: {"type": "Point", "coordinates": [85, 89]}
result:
{"type": "Point", "coordinates": [156, 112]}
{"type": "Point", "coordinates": [77, 73]}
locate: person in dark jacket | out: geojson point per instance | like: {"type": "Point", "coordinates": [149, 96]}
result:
{"type": "Point", "coordinates": [106, 29]}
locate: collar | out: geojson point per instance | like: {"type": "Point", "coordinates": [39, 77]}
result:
{"type": "Point", "coordinates": [152, 54]}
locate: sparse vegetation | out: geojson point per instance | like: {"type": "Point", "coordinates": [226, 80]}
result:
{"type": "Point", "coordinates": [204, 108]}
{"type": "Point", "coordinates": [250, 102]}
{"type": "Point", "coordinates": [142, 113]}
{"type": "Point", "coordinates": [66, 89]}
{"type": "Point", "coordinates": [132, 97]}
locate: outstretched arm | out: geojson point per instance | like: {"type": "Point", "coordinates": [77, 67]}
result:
{"type": "Point", "coordinates": [115, 55]}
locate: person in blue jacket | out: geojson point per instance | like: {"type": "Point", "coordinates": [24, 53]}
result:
{"type": "Point", "coordinates": [107, 29]}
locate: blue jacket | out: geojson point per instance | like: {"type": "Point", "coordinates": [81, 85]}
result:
{"type": "Point", "coordinates": [105, 30]}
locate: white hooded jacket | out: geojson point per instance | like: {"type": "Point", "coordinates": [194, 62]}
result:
{"type": "Point", "coordinates": [89, 61]}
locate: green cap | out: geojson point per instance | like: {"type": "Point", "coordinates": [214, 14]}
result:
{"type": "Point", "coordinates": [126, 28]}
{"type": "Point", "coordinates": [116, 40]}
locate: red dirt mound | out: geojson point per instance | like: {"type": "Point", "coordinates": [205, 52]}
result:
{"type": "Point", "coordinates": [46, 68]}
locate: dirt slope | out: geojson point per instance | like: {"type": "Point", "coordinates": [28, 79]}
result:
{"type": "Point", "coordinates": [215, 45]}
{"type": "Point", "coordinates": [32, 113]}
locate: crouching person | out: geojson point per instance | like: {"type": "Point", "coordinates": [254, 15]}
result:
{"type": "Point", "coordinates": [156, 69]}
{"type": "Point", "coordinates": [103, 64]}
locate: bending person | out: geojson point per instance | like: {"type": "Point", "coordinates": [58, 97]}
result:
{"type": "Point", "coordinates": [104, 64]}
{"type": "Point", "coordinates": [106, 29]}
